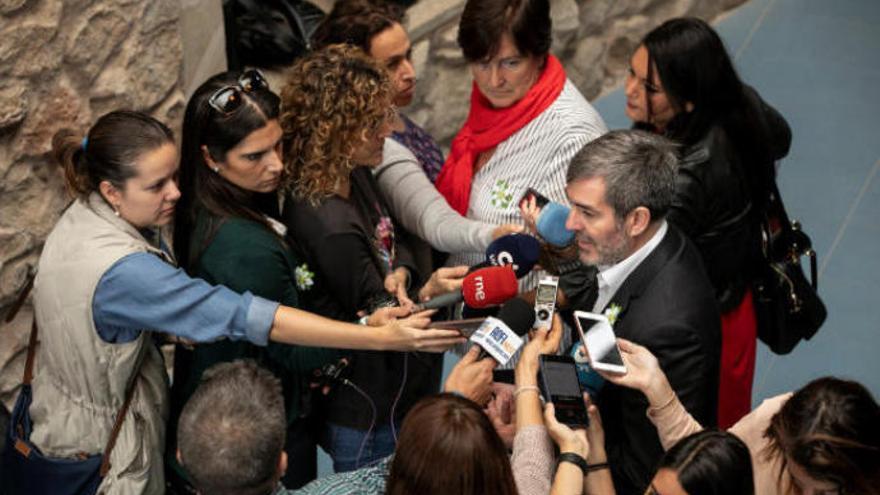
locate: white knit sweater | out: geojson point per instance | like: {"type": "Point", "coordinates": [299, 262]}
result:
{"type": "Point", "coordinates": [536, 156]}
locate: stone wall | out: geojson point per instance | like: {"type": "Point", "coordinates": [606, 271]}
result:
{"type": "Point", "coordinates": [63, 64]}
{"type": "Point", "coordinates": [593, 38]}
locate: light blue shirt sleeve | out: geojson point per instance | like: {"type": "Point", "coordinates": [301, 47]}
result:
{"type": "Point", "coordinates": [142, 292]}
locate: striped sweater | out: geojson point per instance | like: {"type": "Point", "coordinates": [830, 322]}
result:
{"type": "Point", "coordinates": [536, 156]}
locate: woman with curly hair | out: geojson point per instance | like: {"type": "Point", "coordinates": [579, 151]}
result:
{"type": "Point", "coordinates": [336, 114]}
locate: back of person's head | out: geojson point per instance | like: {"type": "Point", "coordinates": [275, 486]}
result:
{"type": "Point", "coordinates": [830, 428]}
{"type": "Point", "coordinates": [109, 151]}
{"type": "Point", "coordinates": [711, 462]}
{"type": "Point", "coordinates": [356, 22]}
{"type": "Point", "coordinates": [638, 168]}
{"type": "Point", "coordinates": [231, 432]}
{"type": "Point", "coordinates": [215, 131]}
{"type": "Point", "coordinates": [484, 22]}
{"type": "Point", "coordinates": [448, 445]}
{"type": "Point", "coordinates": [694, 67]}
{"type": "Point", "coordinates": [334, 98]}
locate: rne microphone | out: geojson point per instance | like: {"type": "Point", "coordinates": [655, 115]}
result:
{"type": "Point", "coordinates": [481, 288]}
{"type": "Point", "coordinates": [551, 225]}
{"type": "Point", "coordinates": [501, 337]}
{"type": "Point", "coordinates": [519, 251]}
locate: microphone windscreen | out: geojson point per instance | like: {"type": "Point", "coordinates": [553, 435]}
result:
{"type": "Point", "coordinates": [520, 251]}
{"type": "Point", "coordinates": [518, 315]}
{"type": "Point", "coordinates": [551, 225]}
{"type": "Point", "coordinates": [489, 286]}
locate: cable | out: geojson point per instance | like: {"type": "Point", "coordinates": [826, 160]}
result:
{"type": "Point", "coordinates": [346, 381]}
{"type": "Point", "coordinates": [399, 393]}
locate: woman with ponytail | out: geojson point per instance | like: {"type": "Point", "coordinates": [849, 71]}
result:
{"type": "Point", "coordinates": [106, 281]}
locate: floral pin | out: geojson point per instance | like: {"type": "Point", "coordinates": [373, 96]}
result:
{"type": "Point", "coordinates": [612, 312]}
{"type": "Point", "coordinates": [502, 197]}
{"type": "Point", "coordinates": [305, 279]}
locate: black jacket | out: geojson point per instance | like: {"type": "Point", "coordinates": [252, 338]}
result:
{"type": "Point", "coordinates": [716, 207]}
{"type": "Point", "coordinates": [337, 241]}
{"type": "Point", "coordinates": [668, 306]}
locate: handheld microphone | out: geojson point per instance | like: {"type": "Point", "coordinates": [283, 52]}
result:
{"type": "Point", "coordinates": [481, 288]}
{"type": "Point", "coordinates": [551, 225]}
{"type": "Point", "coordinates": [501, 337]}
{"type": "Point", "coordinates": [520, 251]}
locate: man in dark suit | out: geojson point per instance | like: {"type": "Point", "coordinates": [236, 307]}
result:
{"type": "Point", "coordinates": [650, 281]}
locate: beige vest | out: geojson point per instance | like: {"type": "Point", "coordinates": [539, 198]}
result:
{"type": "Point", "coordinates": [80, 380]}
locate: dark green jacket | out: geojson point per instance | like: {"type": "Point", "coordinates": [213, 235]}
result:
{"type": "Point", "coordinates": [245, 256]}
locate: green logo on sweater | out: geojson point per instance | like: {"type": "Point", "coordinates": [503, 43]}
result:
{"type": "Point", "coordinates": [502, 197]}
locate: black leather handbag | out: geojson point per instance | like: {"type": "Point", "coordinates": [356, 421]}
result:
{"type": "Point", "coordinates": [787, 305]}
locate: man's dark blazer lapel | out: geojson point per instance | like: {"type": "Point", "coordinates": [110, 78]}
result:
{"type": "Point", "coordinates": [635, 285]}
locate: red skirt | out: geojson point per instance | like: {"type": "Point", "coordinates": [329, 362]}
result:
{"type": "Point", "coordinates": [738, 345]}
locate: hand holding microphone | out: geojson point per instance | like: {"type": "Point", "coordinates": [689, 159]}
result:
{"type": "Point", "coordinates": [501, 337]}
{"type": "Point", "coordinates": [443, 280]}
{"type": "Point", "coordinates": [481, 288]}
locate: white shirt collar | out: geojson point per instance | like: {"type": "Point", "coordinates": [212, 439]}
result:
{"type": "Point", "coordinates": [611, 277]}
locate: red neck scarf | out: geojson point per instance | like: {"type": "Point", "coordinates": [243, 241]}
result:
{"type": "Point", "coordinates": [486, 127]}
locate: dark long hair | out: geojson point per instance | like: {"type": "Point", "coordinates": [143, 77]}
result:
{"type": "Point", "coordinates": [830, 428]}
{"type": "Point", "coordinates": [694, 67]}
{"type": "Point", "coordinates": [109, 150]}
{"type": "Point", "coordinates": [446, 430]}
{"type": "Point", "coordinates": [711, 462]}
{"type": "Point", "coordinates": [200, 187]}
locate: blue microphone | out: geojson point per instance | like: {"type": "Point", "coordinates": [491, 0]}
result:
{"type": "Point", "coordinates": [551, 225]}
{"type": "Point", "coordinates": [520, 251]}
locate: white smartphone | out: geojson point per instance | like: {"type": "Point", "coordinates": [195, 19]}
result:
{"type": "Point", "coordinates": [601, 344]}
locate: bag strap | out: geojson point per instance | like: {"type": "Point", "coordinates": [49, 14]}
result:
{"type": "Point", "coordinates": [29, 372]}
{"type": "Point", "coordinates": [120, 416]}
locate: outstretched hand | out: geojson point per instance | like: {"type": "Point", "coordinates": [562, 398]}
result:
{"type": "Point", "coordinates": [472, 377]}
{"type": "Point", "coordinates": [443, 280]}
{"type": "Point", "coordinates": [529, 211]}
{"type": "Point", "coordinates": [567, 439]}
{"type": "Point", "coordinates": [643, 372]}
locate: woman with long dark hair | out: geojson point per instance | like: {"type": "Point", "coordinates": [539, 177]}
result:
{"type": "Point", "coordinates": [227, 232]}
{"type": "Point", "coordinates": [682, 84]}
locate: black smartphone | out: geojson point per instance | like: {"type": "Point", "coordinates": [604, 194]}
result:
{"type": "Point", "coordinates": [540, 199]}
{"type": "Point", "coordinates": [467, 326]}
{"type": "Point", "coordinates": [560, 385]}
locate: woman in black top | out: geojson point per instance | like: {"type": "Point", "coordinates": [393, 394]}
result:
{"type": "Point", "coordinates": [682, 84]}
{"type": "Point", "coordinates": [336, 114]}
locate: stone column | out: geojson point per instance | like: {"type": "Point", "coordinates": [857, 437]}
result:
{"type": "Point", "coordinates": [64, 64]}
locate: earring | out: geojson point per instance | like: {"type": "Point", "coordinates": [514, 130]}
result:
{"type": "Point", "coordinates": [116, 211]}
{"type": "Point", "coordinates": [216, 170]}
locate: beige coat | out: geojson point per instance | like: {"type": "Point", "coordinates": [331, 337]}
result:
{"type": "Point", "coordinates": [80, 380]}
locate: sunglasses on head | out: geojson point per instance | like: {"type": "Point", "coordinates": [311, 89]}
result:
{"type": "Point", "coordinates": [229, 98]}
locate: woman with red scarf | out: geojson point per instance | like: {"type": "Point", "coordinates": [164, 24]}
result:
{"type": "Point", "coordinates": [526, 118]}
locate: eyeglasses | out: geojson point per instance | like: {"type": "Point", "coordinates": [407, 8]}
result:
{"type": "Point", "coordinates": [649, 86]}
{"type": "Point", "coordinates": [229, 98]}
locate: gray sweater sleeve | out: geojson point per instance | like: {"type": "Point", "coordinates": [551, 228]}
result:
{"type": "Point", "coordinates": [417, 204]}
